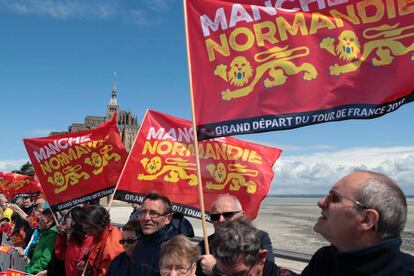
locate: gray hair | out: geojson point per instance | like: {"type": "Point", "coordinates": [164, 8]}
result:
{"type": "Point", "coordinates": [235, 238]}
{"type": "Point", "coordinates": [382, 194]}
{"type": "Point", "coordinates": [236, 201]}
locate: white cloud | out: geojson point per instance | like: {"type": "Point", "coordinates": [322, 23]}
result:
{"type": "Point", "coordinates": [315, 173]}
{"type": "Point", "coordinates": [10, 165]}
{"type": "Point", "coordinates": [89, 10]}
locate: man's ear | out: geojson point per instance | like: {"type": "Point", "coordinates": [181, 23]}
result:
{"type": "Point", "coordinates": [262, 256]}
{"type": "Point", "coordinates": [168, 218]}
{"type": "Point", "coordinates": [369, 220]}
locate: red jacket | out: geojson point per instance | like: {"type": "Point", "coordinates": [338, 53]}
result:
{"type": "Point", "coordinates": [104, 250]}
{"type": "Point", "coordinates": [72, 253]}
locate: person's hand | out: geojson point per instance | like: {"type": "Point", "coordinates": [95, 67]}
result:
{"type": "Point", "coordinates": [62, 229]}
{"type": "Point", "coordinates": [80, 265]}
{"type": "Point", "coordinates": [207, 263]}
{"type": "Point", "coordinates": [20, 251]}
{"type": "Point", "coordinates": [42, 273]}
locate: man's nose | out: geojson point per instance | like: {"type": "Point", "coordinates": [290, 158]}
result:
{"type": "Point", "coordinates": [322, 203]}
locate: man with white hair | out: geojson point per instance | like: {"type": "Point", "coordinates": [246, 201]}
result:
{"type": "Point", "coordinates": [5, 211]}
{"type": "Point", "coordinates": [362, 217]}
{"type": "Point", "coordinates": [226, 208]}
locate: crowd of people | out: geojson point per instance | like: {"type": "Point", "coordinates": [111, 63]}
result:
{"type": "Point", "coordinates": [362, 217]}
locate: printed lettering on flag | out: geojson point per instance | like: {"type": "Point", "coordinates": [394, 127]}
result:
{"type": "Point", "coordinates": [271, 65]}
{"type": "Point", "coordinates": [14, 185]}
{"type": "Point", "coordinates": [77, 167]}
{"type": "Point", "coordinates": [162, 160]}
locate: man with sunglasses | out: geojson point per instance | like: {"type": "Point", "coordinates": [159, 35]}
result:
{"type": "Point", "coordinates": [226, 208]}
{"type": "Point", "coordinates": [362, 217]}
{"type": "Point", "coordinates": [155, 217]}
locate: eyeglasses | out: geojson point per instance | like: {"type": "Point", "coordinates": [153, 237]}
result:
{"type": "Point", "coordinates": [179, 269]}
{"type": "Point", "coordinates": [334, 196]}
{"type": "Point", "coordinates": [128, 241]}
{"type": "Point", "coordinates": [226, 215]}
{"type": "Point", "coordinates": [151, 214]}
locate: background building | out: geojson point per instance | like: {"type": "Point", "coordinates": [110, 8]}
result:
{"type": "Point", "coordinates": [127, 122]}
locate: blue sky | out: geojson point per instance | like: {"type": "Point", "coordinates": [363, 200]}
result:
{"type": "Point", "coordinates": [57, 62]}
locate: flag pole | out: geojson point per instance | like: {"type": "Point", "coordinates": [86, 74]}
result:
{"type": "Point", "coordinates": [197, 157]}
{"type": "Point", "coordinates": [129, 155]}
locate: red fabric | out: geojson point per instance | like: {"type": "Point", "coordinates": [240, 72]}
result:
{"type": "Point", "coordinates": [71, 252]}
{"type": "Point", "coordinates": [250, 66]}
{"type": "Point", "coordinates": [104, 250]}
{"type": "Point", "coordinates": [162, 160]}
{"type": "Point", "coordinates": [76, 167]}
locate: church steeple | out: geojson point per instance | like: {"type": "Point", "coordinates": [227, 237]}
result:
{"type": "Point", "coordinates": [113, 103]}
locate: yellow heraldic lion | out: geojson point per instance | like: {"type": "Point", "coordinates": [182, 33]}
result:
{"type": "Point", "coordinates": [100, 160]}
{"type": "Point", "coordinates": [174, 170]}
{"type": "Point", "coordinates": [19, 184]}
{"type": "Point", "coordinates": [70, 175]}
{"type": "Point", "coordinates": [236, 177]}
{"type": "Point", "coordinates": [275, 63]}
{"type": "Point", "coordinates": [381, 47]}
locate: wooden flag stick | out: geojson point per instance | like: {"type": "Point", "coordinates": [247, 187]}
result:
{"type": "Point", "coordinates": [197, 157]}
{"type": "Point", "coordinates": [129, 155]}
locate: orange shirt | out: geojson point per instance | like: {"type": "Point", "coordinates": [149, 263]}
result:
{"type": "Point", "coordinates": [104, 250]}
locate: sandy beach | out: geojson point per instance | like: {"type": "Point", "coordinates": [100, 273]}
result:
{"type": "Point", "coordinates": [289, 222]}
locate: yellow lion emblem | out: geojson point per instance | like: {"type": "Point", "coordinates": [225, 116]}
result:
{"type": "Point", "coordinates": [71, 175]}
{"type": "Point", "coordinates": [240, 71]}
{"type": "Point", "coordinates": [236, 177]}
{"type": "Point", "coordinates": [101, 159]}
{"type": "Point", "coordinates": [276, 63]}
{"type": "Point", "coordinates": [174, 170]}
{"type": "Point", "coordinates": [381, 47]}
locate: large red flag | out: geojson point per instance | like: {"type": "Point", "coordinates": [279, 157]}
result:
{"type": "Point", "coordinates": [273, 65]}
{"type": "Point", "coordinates": [14, 185]}
{"type": "Point", "coordinates": [162, 160]}
{"type": "Point", "coordinates": [77, 167]}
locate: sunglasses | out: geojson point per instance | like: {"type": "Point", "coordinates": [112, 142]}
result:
{"type": "Point", "coordinates": [128, 241]}
{"type": "Point", "coordinates": [226, 215]}
{"type": "Point", "coordinates": [334, 196]}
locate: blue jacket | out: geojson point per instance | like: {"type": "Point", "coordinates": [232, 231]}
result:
{"type": "Point", "coordinates": [120, 265]}
{"type": "Point", "coordinates": [146, 255]}
{"type": "Point", "coordinates": [381, 259]}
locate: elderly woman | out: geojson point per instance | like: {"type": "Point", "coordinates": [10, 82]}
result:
{"type": "Point", "coordinates": [131, 232]}
{"type": "Point", "coordinates": [179, 256]}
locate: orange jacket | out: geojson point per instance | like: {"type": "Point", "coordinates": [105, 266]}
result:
{"type": "Point", "coordinates": [104, 250]}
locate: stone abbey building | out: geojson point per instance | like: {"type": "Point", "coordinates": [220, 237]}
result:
{"type": "Point", "coordinates": [127, 122]}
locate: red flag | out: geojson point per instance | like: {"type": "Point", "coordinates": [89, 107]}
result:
{"type": "Point", "coordinates": [5, 249]}
{"type": "Point", "coordinates": [14, 185]}
{"type": "Point", "coordinates": [272, 65]}
{"type": "Point", "coordinates": [77, 167]}
{"type": "Point", "coordinates": [162, 160]}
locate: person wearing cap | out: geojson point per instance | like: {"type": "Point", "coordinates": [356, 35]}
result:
{"type": "Point", "coordinates": [45, 247]}
{"type": "Point", "coordinates": [226, 208]}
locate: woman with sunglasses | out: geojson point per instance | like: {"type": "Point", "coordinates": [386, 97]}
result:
{"type": "Point", "coordinates": [131, 233]}
{"type": "Point", "coordinates": [179, 257]}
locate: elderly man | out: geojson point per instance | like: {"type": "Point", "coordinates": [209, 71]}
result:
{"type": "Point", "coordinates": [5, 211]}
{"type": "Point", "coordinates": [227, 208]}
{"type": "Point", "coordinates": [238, 251]}
{"type": "Point", "coordinates": [362, 217]}
{"type": "Point", "coordinates": [155, 216]}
